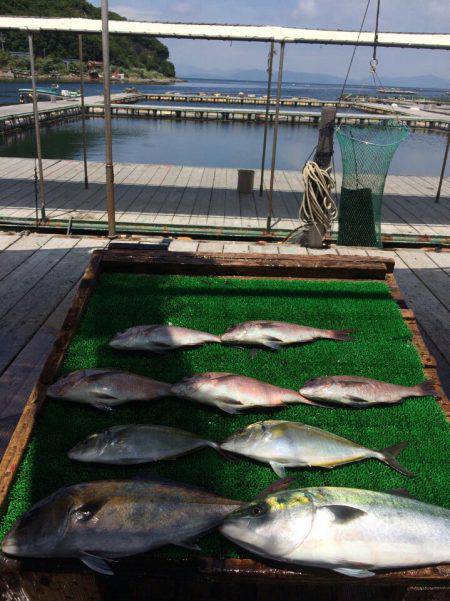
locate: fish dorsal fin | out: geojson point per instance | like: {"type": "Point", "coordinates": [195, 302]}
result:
{"type": "Point", "coordinates": [96, 563]}
{"type": "Point", "coordinates": [400, 492]}
{"type": "Point", "coordinates": [343, 514]}
{"type": "Point", "coordinates": [278, 485]}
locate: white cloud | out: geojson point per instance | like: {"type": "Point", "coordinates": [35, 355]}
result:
{"type": "Point", "coordinates": [306, 8]}
{"type": "Point", "coordinates": [181, 8]}
{"type": "Point", "coordinates": [133, 13]}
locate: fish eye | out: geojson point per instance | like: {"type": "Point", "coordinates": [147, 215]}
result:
{"type": "Point", "coordinates": [257, 510]}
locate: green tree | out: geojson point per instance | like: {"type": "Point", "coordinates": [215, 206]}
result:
{"type": "Point", "coordinates": [126, 52]}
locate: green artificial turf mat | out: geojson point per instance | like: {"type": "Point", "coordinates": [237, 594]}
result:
{"type": "Point", "coordinates": [382, 349]}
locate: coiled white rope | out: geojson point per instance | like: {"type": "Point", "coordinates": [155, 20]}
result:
{"type": "Point", "coordinates": [318, 206]}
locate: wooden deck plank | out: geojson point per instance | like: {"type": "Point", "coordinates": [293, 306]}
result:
{"type": "Point", "coordinates": [20, 323]}
{"type": "Point", "coordinates": [434, 278]}
{"type": "Point", "coordinates": [23, 278]}
{"type": "Point", "coordinates": [7, 240]}
{"type": "Point", "coordinates": [17, 381]}
{"type": "Point", "coordinates": [200, 211]}
{"type": "Point", "coordinates": [167, 211]}
{"type": "Point", "coordinates": [409, 207]}
{"type": "Point", "coordinates": [142, 178]}
{"type": "Point", "coordinates": [20, 250]}
{"type": "Point", "coordinates": [143, 202]}
{"type": "Point", "coordinates": [216, 214]}
{"type": "Point", "coordinates": [429, 311]}
{"type": "Point", "coordinates": [156, 202]}
{"type": "Point", "coordinates": [232, 217]}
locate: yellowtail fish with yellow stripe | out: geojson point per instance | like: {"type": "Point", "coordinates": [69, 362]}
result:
{"type": "Point", "coordinates": [284, 444]}
{"type": "Point", "coordinates": [351, 531]}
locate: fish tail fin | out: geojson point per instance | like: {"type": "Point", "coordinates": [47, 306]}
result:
{"type": "Point", "coordinates": [426, 389]}
{"type": "Point", "coordinates": [225, 454]}
{"type": "Point", "coordinates": [303, 400]}
{"type": "Point", "coordinates": [389, 456]}
{"type": "Point", "coordinates": [345, 335]}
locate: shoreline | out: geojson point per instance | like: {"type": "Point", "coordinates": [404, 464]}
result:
{"type": "Point", "coordinates": [131, 80]}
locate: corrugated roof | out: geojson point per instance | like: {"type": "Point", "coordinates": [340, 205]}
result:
{"type": "Point", "coordinates": [260, 33]}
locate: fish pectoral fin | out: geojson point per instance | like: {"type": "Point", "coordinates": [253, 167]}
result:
{"type": "Point", "coordinates": [227, 408]}
{"type": "Point", "coordinates": [96, 563]}
{"type": "Point", "coordinates": [355, 572]}
{"type": "Point", "coordinates": [253, 352]}
{"type": "Point", "coordinates": [188, 544]}
{"type": "Point", "coordinates": [278, 469]}
{"type": "Point", "coordinates": [101, 406]}
{"type": "Point", "coordinates": [272, 343]}
{"type": "Point", "coordinates": [105, 396]}
{"type": "Point", "coordinates": [343, 514]}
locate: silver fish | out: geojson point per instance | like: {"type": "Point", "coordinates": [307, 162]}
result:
{"type": "Point", "coordinates": [107, 388]}
{"type": "Point", "coordinates": [233, 393]}
{"type": "Point", "coordinates": [350, 531]}
{"type": "Point", "coordinates": [284, 444]}
{"type": "Point", "coordinates": [160, 338]}
{"type": "Point", "coordinates": [137, 443]}
{"type": "Point", "coordinates": [357, 391]}
{"type": "Point", "coordinates": [275, 334]}
{"type": "Point", "coordinates": [108, 519]}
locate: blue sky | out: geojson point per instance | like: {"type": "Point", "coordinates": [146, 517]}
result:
{"type": "Point", "coordinates": [395, 15]}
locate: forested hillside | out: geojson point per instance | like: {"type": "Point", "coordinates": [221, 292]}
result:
{"type": "Point", "coordinates": [127, 52]}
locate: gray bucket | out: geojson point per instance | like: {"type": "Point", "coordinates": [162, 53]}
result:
{"type": "Point", "coordinates": [246, 178]}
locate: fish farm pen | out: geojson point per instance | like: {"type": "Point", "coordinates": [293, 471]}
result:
{"type": "Point", "coordinates": [211, 292]}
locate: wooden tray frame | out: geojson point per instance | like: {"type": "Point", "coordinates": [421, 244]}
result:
{"type": "Point", "coordinates": [243, 265]}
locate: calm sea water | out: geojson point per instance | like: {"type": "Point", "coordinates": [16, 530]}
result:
{"type": "Point", "coordinates": [211, 144]}
{"type": "Point", "coordinates": [9, 91]}
{"type": "Point", "coordinates": [214, 144]}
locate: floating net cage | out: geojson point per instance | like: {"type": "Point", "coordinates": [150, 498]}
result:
{"type": "Point", "coordinates": [366, 155]}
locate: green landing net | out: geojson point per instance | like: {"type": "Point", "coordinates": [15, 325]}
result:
{"type": "Point", "coordinates": [366, 155]}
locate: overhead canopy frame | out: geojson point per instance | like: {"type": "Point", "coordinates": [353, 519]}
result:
{"type": "Point", "coordinates": [250, 33]}
{"type": "Point", "coordinates": [245, 33]}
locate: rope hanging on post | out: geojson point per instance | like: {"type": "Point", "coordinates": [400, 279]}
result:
{"type": "Point", "coordinates": [318, 207]}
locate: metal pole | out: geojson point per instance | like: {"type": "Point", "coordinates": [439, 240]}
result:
{"type": "Point", "coordinates": [275, 134]}
{"type": "Point", "coordinates": [266, 122]}
{"type": "Point", "coordinates": [83, 116]}
{"type": "Point", "coordinates": [110, 204]}
{"type": "Point", "coordinates": [37, 128]}
{"type": "Point", "coordinates": [444, 164]}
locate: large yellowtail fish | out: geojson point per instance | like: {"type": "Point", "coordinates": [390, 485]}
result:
{"type": "Point", "coordinates": [351, 531]}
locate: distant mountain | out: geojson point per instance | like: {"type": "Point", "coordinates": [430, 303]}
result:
{"type": "Point", "coordinates": [418, 81]}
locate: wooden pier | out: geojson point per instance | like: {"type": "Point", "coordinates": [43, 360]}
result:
{"type": "Point", "coordinates": [177, 199]}
{"type": "Point", "coordinates": [20, 116]}
{"type": "Point", "coordinates": [160, 111]}
{"type": "Point", "coordinates": [253, 99]}
{"type": "Point", "coordinates": [16, 117]}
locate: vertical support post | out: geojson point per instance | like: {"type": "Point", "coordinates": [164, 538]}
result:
{"type": "Point", "coordinates": [275, 135]}
{"type": "Point", "coordinates": [110, 203]}
{"type": "Point", "coordinates": [266, 121]}
{"type": "Point", "coordinates": [83, 115]}
{"type": "Point", "coordinates": [444, 164]}
{"type": "Point", "coordinates": [37, 128]}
